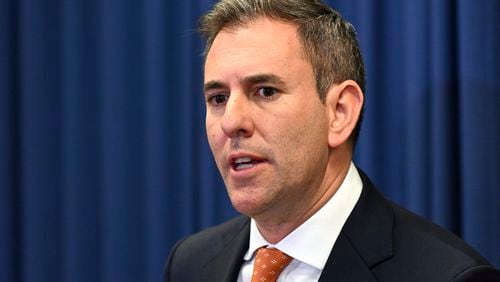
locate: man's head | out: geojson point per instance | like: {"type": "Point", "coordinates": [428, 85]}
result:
{"type": "Point", "coordinates": [279, 136]}
{"type": "Point", "coordinates": [329, 42]}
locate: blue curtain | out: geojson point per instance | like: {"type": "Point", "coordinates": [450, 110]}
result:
{"type": "Point", "coordinates": [104, 162]}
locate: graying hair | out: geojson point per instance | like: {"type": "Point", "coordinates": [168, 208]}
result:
{"type": "Point", "coordinates": [329, 42]}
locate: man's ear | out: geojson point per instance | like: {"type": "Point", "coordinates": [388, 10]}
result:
{"type": "Point", "coordinates": [344, 102]}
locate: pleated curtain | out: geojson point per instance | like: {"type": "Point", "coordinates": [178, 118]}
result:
{"type": "Point", "coordinates": [104, 162]}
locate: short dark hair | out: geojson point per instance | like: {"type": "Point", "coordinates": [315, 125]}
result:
{"type": "Point", "coordinates": [329, 42]}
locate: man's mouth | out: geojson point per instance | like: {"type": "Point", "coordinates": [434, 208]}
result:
{"type": "Point", "coordinates": [244, 163]}
{"type": "Point", "coordinates": [240, 162]}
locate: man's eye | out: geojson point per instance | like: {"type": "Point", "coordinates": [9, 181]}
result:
{"type": "Point", "coordinates": [267, 92]}
{"type": "Point", "coordinates": [218, 99]}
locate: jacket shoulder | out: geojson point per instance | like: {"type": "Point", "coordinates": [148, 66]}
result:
{"type": "Point", "coordinates": [427, 252]}
{"type": "Point", "coordinates": [201, 248]}
{"type": "Point", "coordinates": [411, 248]}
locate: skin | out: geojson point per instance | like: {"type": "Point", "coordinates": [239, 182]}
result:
{"type": "Point", "coordinates": [262, 103]}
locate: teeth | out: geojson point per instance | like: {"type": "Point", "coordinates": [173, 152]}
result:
{"type": "Point", "coordinates": [244, 166]}
{"type": "Point", "coordinates": [242, 160]}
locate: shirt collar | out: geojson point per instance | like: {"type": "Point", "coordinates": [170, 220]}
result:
{"type": "Point", "coordinates": [312, 242]}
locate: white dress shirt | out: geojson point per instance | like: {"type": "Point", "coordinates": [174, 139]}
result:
{"type": "Point", "coordinates": [311, 243]}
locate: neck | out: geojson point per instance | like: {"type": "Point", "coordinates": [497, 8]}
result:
{"type": "Point", "coordinates": [275, 228]}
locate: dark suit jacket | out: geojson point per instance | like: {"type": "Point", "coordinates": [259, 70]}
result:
{"type": "Point", "coordinates": [379, 242]}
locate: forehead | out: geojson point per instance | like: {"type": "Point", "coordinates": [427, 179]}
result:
{"type": "Point", "coordinates": [262, 45]}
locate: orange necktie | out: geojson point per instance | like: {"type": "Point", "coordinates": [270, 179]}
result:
{"type": "Point", "coordinates": [269, 262]}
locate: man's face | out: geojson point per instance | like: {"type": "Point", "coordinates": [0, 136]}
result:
{"type": "Point", "coordinates": [266, 125]}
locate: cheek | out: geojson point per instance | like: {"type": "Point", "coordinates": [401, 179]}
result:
{"type": "Point", "coordinates": [305, 137]}
{"type": "Point", "coordinates": [215, 135]}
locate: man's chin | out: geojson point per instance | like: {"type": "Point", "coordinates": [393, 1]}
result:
{"type": "Point", "coordinates": [248, 207]}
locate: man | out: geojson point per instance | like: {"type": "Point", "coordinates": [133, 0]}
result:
{"type": "Point", "coordinates": [284, 93]}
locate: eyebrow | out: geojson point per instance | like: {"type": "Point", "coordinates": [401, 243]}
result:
{"type": "Point", "coordinates": [214, 84]}
{"type": "Point", "coordinates": [264, 78]}
{"type": "Point", "coordinates": [253, 79]}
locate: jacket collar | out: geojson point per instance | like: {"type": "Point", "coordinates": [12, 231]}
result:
{"type": "Point", "coordinates": [365, 240]}
{"type": "Point", "coordinates": [225, 266]}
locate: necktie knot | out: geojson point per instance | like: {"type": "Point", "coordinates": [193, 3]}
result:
{"type": "Point", "coordinates": [268, 265]}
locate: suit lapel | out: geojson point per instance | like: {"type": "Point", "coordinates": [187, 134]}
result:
{"type": "Point", "coordinates": [225, 266]}
{"type": "Point", "coordinates": [365, 240]}
{"type": "Point", "coordinates": [344, 264]}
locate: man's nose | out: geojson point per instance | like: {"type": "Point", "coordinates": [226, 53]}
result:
{"type": "Point", "coordinates": [237, 119]}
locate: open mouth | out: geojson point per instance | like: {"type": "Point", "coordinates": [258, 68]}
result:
{"type": "Point", "coordinates": [242, 163]}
